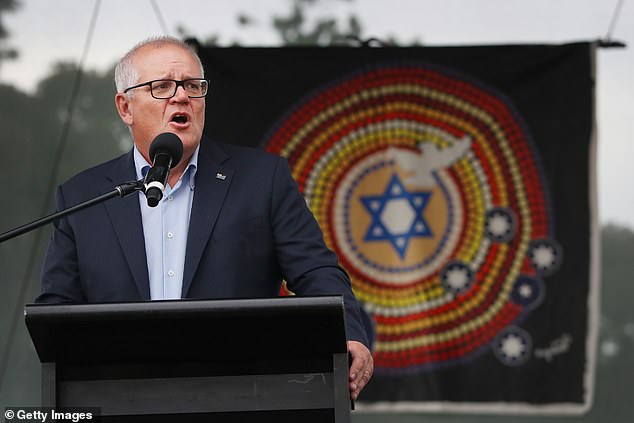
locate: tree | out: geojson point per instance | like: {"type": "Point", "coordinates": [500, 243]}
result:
{"type": "Point", "coordinates": [293, 31]}
{"type": "Point", "coordinates": [6, 53]}
{"type": "Point", "coordinates": [616, 332]}
{"type": "Point", "coordinates": [32, 128]}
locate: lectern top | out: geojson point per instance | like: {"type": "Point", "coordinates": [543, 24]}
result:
{"type": "Point", "coordinates": [192, 329]}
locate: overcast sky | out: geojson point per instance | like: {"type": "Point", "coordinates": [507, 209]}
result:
{"type": "Point", "coordinates": [46, 31]}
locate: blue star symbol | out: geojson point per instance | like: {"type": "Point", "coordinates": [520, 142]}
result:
{"type": "Point", "coordinates": [397, 215]}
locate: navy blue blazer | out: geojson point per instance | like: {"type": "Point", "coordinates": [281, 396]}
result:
{"type": "Point", "coordinates": [246, 233]}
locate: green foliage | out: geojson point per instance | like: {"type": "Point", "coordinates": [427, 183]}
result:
{"type": "Point", "coordinates": [96, 131]}
{"type": "Point", "coordinates": [294, 30]}
{"type": "Point", "coordinates": [32, 127]}
{"type": "Point", "coordinates": [6, 6]}
{"type": "Point", "coordinates": [6, 53]}
{"type": "Point", "coordinates": [617, 255]}
{"type": "Point", "coordinates": [325, 32]}
{"type": "Point", "coordinates": [616, 331]}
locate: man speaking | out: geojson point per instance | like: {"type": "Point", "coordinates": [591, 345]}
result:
{"type": "Point", "coordinates": [231, 222]}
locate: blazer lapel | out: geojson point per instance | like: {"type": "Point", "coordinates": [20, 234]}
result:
{"type": "Point", "coordinates": [212, 184]}
{"type": "Point", "coordinates": [125, 216]}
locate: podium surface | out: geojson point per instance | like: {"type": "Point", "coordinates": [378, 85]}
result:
{"type": "Point", "coordinates": [280, 359]}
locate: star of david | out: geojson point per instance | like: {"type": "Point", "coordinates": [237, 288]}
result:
{"type": "Point", "coordinates": [397, 215]}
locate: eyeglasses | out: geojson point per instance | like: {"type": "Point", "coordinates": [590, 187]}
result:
{"type": "Point", "coordinates": [166, 88]}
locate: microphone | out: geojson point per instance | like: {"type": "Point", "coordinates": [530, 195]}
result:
{"type": "Point", "coordinates": [166, 151]}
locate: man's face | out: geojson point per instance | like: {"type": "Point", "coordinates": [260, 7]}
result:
{"type": "Point", "coordinates": [147, 116]}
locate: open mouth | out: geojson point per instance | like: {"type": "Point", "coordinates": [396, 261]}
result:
{"type": "Point", "coordinates": [182, 119]}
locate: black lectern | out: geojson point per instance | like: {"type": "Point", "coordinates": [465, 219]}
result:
{"type": "Point", "coordinates": [282, 359]}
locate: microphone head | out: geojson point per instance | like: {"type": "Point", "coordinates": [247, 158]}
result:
{"type": "Point", "coordinates": [169, 143]}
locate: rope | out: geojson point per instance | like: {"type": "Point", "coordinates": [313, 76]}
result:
{"type": "Point", "coordinates": [159, 17]}
{"type": "Point", "coordinates": [19, 305]}
{"type": "Point", "coordinates": [615, 18]}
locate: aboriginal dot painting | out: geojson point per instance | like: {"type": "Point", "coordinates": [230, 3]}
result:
{"type": "Point", "coordinates": [428, 188]}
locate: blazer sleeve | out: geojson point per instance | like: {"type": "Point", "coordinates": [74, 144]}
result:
{"type": "Point", "coordinates": [308, 265]}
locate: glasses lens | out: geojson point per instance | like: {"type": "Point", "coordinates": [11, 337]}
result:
{"type": "Point", "coordinates": [163, 89]}
{"type": "Point", "coordinates": [166, 88]}
{"type": "Point", "coordinates": [195, 87]}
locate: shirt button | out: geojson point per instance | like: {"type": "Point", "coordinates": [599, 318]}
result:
{"type": "Point", "coordinates": [170, 235]}
{"type": "Point", "coordinates": [171, 273]}
{"type": "Point", "coordinates": [171, 197]}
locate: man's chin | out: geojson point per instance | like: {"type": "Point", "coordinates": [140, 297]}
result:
{"type": "Point", "coordinates": [190, 141]}
{"type": "Point", "coordinates": [187, 134]}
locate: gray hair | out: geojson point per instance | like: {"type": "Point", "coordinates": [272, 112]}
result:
{"type": "Point", "coordinates": [124, 73]}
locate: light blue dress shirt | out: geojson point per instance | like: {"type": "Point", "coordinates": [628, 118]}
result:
{"type": "Point", "coordinates": [165, 230]}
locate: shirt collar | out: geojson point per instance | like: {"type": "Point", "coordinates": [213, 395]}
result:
{"type": "Point", "coordinates": [142, 167]}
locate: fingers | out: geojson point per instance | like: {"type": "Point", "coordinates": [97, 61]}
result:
{"type": "Point", "coordinates": [361, 368]}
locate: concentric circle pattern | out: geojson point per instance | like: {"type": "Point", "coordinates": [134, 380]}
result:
{"type": "Point", "coordinates": [426, 185]}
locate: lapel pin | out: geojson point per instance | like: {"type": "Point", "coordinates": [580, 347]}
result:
{"type": "Point", "coordinates": [221, 176]}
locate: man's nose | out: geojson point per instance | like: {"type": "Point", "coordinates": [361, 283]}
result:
{"type": "Point", "coordinates": [181, 94]}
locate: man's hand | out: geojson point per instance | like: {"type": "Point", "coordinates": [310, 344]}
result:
{"type": "Point", "coordinates": [361, 368]}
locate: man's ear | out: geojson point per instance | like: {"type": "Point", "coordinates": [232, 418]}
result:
{"type": "Point", "coordinates": [123, 107]}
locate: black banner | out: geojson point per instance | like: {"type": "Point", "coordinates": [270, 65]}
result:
{"type": "Point", "coordinates": [455, 184]}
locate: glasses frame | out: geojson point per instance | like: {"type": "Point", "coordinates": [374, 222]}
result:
{"type": "Point", "coordinates": [178, 84]}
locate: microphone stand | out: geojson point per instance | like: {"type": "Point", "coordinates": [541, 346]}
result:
{"type": "Point", "coordinates": [120, 190]}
